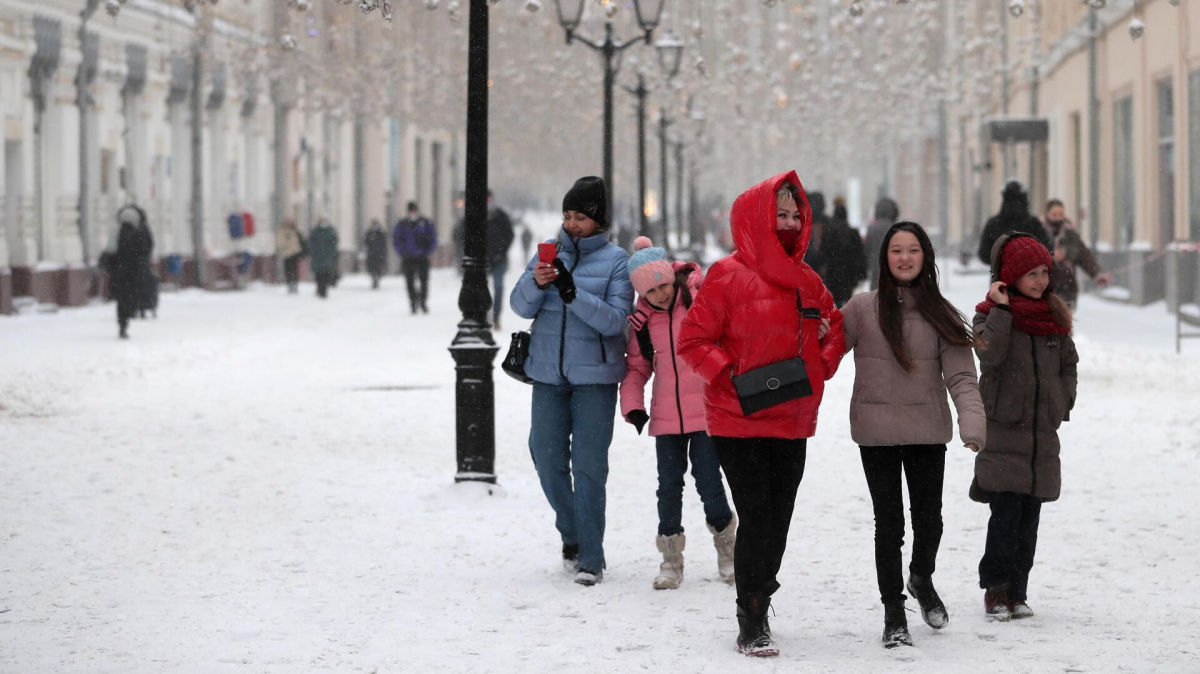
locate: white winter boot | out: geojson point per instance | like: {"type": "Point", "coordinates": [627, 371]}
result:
{"type": "Point", "coordinates": [723, 541]}
{"type": "Point", "coordinates": [670, 572]}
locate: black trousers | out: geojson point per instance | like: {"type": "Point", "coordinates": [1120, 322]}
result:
{"type": "Point", "coordinates": [763, 475]}
{"type": "Point", "coordinates": [325, 279]}
{"type": "Point", "coordinates": [127, 307]}
{"type": "Point", "coordinates": [1011, 543]}
{"type": "Point", "coordinates": [924, 467]}
{"type": "Point", "coordinates": [291, 271]}
{"type": "Point", "coordinates": [416, 277]}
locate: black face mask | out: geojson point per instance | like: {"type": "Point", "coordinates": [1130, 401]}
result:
{"type": "Point", "coordinates": [1056, 224]}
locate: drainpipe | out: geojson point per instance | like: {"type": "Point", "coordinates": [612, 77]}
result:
{"type": "Point", "coordinates": [1093, 112]}
{"type": "Point", "coordinates": [1004, 88]}
{"type": "Point", "coordinates": [198, 160]}
{"type": "Point", "coordinates": [89, 48]}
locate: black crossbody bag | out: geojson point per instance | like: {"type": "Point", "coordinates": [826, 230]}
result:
{"type": "Point", "coordinates": [778, 382]}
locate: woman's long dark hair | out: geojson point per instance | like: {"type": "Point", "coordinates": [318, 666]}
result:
{"type": "Point", "coordinates": [937, 310]}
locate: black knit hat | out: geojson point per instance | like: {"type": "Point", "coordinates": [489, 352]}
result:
{"type": "Point", "coordinates": [588, 196]}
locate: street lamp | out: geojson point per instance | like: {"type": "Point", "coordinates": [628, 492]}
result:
{"type": "Point", "coordinates": [670, 49]}
{"type": "Point", "coordinates": [570, 13]}
{"type": "Point", "coordinates": [663, 123]}
{"type": "Point", "coordinates": [670, 53]}
{"type": "Point", "coordinates": [473, 349]}
{"type": "Point", "coordinates": [641, 91]}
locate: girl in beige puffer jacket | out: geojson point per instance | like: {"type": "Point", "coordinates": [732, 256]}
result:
{"type": "Point", "coordinates": [910, 346]}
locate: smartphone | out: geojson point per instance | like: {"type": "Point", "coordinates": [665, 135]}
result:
{"type": "Point", "coordinates": [547, 252]}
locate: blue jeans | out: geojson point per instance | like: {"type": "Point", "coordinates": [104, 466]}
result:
{"type": "Point", "coordinates": [706, 470]}
{"type": "Point", "coordinates": [571, 429]}
{"type": "Point", "coordinates": [498, 271]}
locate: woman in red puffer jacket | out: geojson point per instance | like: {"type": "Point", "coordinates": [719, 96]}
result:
{"type": "Point", "coordinates": [758, 306]}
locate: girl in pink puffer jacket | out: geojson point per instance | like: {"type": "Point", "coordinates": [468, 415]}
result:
{"type": "Point", "coordinates": [676, 414]}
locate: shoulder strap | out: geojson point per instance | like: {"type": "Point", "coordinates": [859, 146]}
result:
{"type": "Point", "coordinates": [646, 344]}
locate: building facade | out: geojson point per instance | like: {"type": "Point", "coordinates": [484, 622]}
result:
{"type": "Point", "coordinates": [1133, 189]}
{"type": "Point", "coordinates": [101, 111]}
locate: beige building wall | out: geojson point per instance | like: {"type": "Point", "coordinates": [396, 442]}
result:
{"type": "Point", "coordinates": [1167, 52]}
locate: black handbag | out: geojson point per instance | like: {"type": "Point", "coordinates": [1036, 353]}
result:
{"type": "Point", "coordinates": [514, 360]}
{"type": "Point", "coordinates": [777, 382]}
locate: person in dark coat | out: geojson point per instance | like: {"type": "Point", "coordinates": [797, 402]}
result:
{"type": "Point", "coordinates": [526, 241]}
{"type": "Point", "coordinates": [375, 241]}
{"type": "Point", "coordinates": [1028, 381]}
{"type": "Point", "coordinates": [499, 239]}
{"type": "Point", "coordinates": [887, 213]}
{"type": "Point", "coordinates": [323, 247]}
{"type": "Point", "coordinates": [842, 252]}
{"type": "Point", "coordinates": [815, 255]}
{"type": "Point", "coordinates": [415, 239]}
{"type": "Point", "coordinates": [1014, 216]}
{"type": "Point", "coordinates": [1070, 252]}
{"type": "Point", "coordinates": [129, 265]}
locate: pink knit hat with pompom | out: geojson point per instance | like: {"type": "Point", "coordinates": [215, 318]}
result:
{"type": "Point", "coordinates": [649, 266]}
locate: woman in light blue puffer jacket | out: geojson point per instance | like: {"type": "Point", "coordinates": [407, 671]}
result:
{"type": "Point", "coordinates": [576, 358]}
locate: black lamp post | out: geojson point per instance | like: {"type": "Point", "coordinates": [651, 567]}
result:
{"type": "Point", "coordinates": [473, 349]}
{"type": "Point", "coordinates": [641, 91]}
{"type": "Point", "coordinates": [663, 123]}
{"type": "Point", "coordinates": [669, 49]}
{"type": "Point", "coordinates": [677, 146]}
{"type": "Point", "coordinates": [570, 12]}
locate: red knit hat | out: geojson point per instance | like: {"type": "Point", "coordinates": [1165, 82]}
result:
{"type": "Point", "coordinates": [1020, 255]}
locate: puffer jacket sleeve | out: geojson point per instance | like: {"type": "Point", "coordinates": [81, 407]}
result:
{"type": "Point", "coordinates": [604, 315]}
{"type": "Point", "coordinates": [851, 315]}
{"type": "Point", "coordinates": [958, 371]}
{"type": "Point", "coordinates": [638, 369]}
{"type": "Point", "coordinates": [526, 297]}
{"type": "Point", "coordinates": [1068, 372]}
{"type": "Point", "coordinates": [699, 336]}
{"type": "Point", "coordinates": [833, 345]}
{"type": "Point", "coordinates": [995, 328]}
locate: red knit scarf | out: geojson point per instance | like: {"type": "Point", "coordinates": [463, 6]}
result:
{"type": "Point", "coordinates": [1029, 315]}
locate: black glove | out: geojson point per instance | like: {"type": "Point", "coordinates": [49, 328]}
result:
{"type": "Point", "coordinates": [564, 282]}
{"type": "Point", "coordinates": [638, 418]}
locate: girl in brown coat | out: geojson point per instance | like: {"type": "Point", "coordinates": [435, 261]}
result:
{"type": "Point", "coordinates": [1027, 362]}
{"type": "Point", "coordinates": [910, 346]}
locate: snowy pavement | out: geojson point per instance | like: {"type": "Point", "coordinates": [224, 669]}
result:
{"type": "Point", "coordinates": [258, 482]}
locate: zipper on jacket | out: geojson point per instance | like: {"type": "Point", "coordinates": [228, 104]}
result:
{"type": "Point", "coordinates": [562, 332]}
{"type": "Point", "coordinates": [1037, 389]}
{"type": "Point", "coordinates": [674, 363]}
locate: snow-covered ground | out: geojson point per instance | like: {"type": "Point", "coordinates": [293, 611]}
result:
{"type": "Point", "coordinates": [264, 483]}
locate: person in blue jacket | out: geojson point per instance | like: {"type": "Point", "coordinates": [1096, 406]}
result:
{"type": "Point", "coordinates": [579, 305]}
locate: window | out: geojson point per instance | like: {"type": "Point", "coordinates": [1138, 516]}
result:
{"type": "Point", "coordinates": [1165, 95]}
{"type": "Point", "coordinates": [1194, 155]}
{"type": "Point", "coordinates": [1123, 171]}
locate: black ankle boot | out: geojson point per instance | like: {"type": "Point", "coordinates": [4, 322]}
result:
{"type": "Point", "coordinates": [933, 611]}
{"type": "Point", "coordinates": [895, 625]}
{"type": "Point", "coordinates": [754, 634]}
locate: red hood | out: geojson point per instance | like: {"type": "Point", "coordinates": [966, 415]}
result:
{"type": "Point", "coordinates": [752, 222]}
